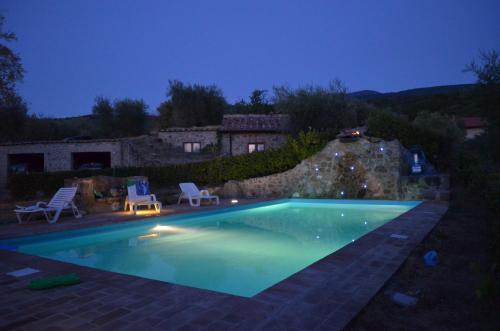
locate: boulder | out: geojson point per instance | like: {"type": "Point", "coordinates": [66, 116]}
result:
{"type": "Point", "coordinates": [232, 190]}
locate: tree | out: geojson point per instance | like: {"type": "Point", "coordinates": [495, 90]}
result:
{"type": "Point", "coordinates": [103, 113]}
{"type": "Point", "coordinates": [192, 105]}
{"type": "Point", "coordinates": [440, 125]}
{"type": "Point", "coordinates": [122, 118]}
{"type": "Point", "coordinates": [259, 103]}
{"type": "Point", "coordinates": [13, 110]}
{"type": "Point", "coordinates": [39, 127]}
{"type": "Point", "coordinates": [323, 109]}
{"type": "Point", "coordinates": [165, 110]}
{"type": "Point", "coordinates": [11, 69]}
{"type": "Point", "coordinates": [130, 117]}
{"type": "Point", "coordinates": [487, 71]}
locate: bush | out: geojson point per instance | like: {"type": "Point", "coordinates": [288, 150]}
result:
{"type": "Point", "coordinates": [389, 126]}
{"type": "Point", "coordinates": [212, 172]}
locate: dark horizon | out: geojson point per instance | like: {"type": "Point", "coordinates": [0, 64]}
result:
{"type": "Point", "coordinates": [73, 52]}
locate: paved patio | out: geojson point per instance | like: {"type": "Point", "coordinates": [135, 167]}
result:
{"type": "Point", "coordinates": [324, 296]}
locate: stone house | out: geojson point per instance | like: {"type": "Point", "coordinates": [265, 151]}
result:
{"type": "Point", "coordinates": [242, 134]}
{"type": "Point", "coordinates": [190, 140]}
{"type": "Point", "coordinates": [239, 134]}
{"type": "Point", "coordinates": [474, 126]}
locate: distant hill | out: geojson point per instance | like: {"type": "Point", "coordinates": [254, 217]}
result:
{"type": "Point", "coordinates": [423, 91]}
{"type": "Point", "coordinates": [365, 94]}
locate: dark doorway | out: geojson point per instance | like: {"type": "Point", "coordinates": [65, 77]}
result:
{"type": "Point", "coordinates": [29, 162]}
{"type": "Point", "coordinates": [91, 160]}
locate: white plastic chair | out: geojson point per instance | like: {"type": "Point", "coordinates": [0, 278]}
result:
{"type": "Point", "coordinates": [133, 200]}
{"type": "Point", "coordinates": [190, 192]}
{"type": "Point", "coordinates": [63, 199]}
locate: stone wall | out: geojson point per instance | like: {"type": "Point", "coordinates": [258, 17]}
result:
{"type": "Point", "coordinates": [176, 137]}
{"type": "Point", "coordinates": [367, 168]}
{"type": "Point", "coordinates": [427, 187]}
{"type": "Point", "coordinates": [58, 155]}
{"type": "Point", "coordinates": [151, 151]}
{"type": "Point", "coordinates": [239, 141]}
{"type": "Point", "coordinates": [142, 151]}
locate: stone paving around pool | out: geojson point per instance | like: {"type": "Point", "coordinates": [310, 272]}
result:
{"type": "Point", "coordinates": [324, 296]}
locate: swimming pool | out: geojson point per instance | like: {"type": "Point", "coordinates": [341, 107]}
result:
{"type": "Point", "coordinates": [240, 250]}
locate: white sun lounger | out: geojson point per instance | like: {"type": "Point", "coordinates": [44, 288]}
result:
{"type": "Point", "coordinates": [133, 200]}
{"type": "Point", "coordinates": [63, 199]}
{"type": "Point", "coordinates": [194, 195]}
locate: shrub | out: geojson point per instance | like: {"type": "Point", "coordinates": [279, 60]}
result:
{"type": "Point", "coordinates": [387, 125]}
{"type": "Point", "coordinates": [211, 172]}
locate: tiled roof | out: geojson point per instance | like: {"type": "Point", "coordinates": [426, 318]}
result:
{"type": "Point", "coordinates": [45, 142]}
{"type": "Point", "coordinates": [473, 122]}
{"type": "Point", "coordinates": [193, 128]}
{"type": "Point", "coordinates": [256, 123]}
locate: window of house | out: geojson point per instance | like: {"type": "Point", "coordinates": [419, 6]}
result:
{"type": "Point", "coordinates": [255, 147]}
{"type": "Point", "coordinates": [192, 147]}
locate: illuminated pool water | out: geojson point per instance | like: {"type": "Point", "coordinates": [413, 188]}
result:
{"type": "Point", "coordinates": [241, 251]}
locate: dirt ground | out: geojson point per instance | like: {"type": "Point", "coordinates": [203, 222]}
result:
{"type": "Point", "coordinates": [446, 293]}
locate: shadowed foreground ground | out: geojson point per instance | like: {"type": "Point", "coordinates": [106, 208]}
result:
{"type": "Point", "coordinates": [446, 293]}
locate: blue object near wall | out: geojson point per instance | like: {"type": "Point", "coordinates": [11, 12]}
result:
{"type": "Point", "coordinates": [419, 165]}
{"type": "Point", "coordinates": [431, 258]}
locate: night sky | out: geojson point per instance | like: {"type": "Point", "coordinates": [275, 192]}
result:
{"type": "Point", "coordinates": [75, 50]}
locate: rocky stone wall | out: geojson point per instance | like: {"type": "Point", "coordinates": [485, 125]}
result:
{"type": "Point", "coordinates": [368, 168]}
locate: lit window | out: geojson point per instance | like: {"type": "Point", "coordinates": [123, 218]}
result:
{"type": "Point", "coordinates": [192, 147]}
{"type": "Point", "coordinates": [254, 147]}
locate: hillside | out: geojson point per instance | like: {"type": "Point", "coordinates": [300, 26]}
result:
{"type": "Point", "coordinates": [366, 95]}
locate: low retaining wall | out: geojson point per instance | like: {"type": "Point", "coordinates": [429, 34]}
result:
{"type": "Point", "coordinates": [427, 187]}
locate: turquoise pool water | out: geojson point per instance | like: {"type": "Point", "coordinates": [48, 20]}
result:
{"type": "Point", "coordinates": [240, 251]}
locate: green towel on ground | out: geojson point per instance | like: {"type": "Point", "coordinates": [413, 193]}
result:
{"type": "Point", "coordinates": [50, 282]}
